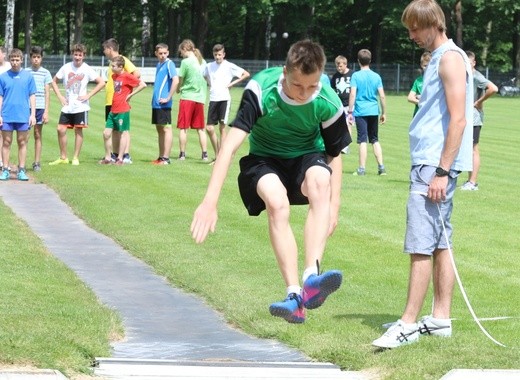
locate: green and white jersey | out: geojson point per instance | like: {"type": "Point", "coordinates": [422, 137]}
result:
{"type": "Point", "coordinates": [282, 128]}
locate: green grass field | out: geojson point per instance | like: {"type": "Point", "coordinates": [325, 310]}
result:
{"type": "Point", "coordinates": [148, 210]}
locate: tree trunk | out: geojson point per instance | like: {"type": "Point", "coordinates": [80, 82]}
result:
{"type": "Point", "coordinates": [516, 45]}
{"type": "Point", "coordinates": [28, 26]}
{"type": "Point", "coordinates": [9, 24]}
{"type": "Point", "coordinates": [145, 34]}
{"type": "Point", "coordinates": [487, 43]}
{"type": "Point", "coordinates": [78, 21]}
{"type": "Point", "coordinates": [458, 20]}
{"type": "Point", "coordinates": [200, 23]}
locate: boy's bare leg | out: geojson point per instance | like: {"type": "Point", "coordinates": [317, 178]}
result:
{"type": "Point", "coordinates": [316, 187]}
{"type": "Point", "coordinates": [213, 138]}
{"type": "Point", "coordinates": [78, 143]}
{"type": "Point", "coordinates": [123, 144]}
{"type": "Point", "coordinates": [274, 194]}
{"type": "Point", "coordinates": [21, 138]}
{"type": "Point", "coordinates": [62, 141]}
{"type": "Point", "coordinates": [37, 142]}
{"type": "Point", "coordinates": [7, 137]}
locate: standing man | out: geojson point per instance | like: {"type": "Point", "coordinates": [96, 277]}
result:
{"type": "Point", "coordinates": [75, 76]}
{"type": "Point", "coordinates": [365, 86]}
{"type": "Point", "coordinates": [340, 82]}
{"type": "Point", "coordinates": [220, 74]}
{"type": "Point", "coordinates": [440, 147]}
{"type": "Point", "coordinates": [111, 50]}
{"type": "Point", "coordinates": [483, 89]}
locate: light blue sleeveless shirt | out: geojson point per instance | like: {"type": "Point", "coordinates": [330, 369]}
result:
{"type": "Point", "coordinates": [429, 127]}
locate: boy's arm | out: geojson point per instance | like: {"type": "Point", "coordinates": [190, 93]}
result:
{"type": "Point", "coordinates": [205, 216]}
{"type": "Point", "coordinates": [382, 100]}
{"type": "Point", "coordinates": [452, 72]}
{"type": "Point", "coordinates": [55, 88]}
{"type": "Point", "coordinates": [47, 103]}
{"type": "Point", "coordinates": [99, 86]}
{"type": "Point", "coordinates": [32, 103]}
{"type": "Point", "coordinates": [141, 86]}
{"type": "Point", "coordinates": [173, 90]}
{"type": "Point", "coordinates": [336, 164]}
{"type": "Point", "coordinates": [1, 104]}
{"type": "Point", "coordinates": [351, 105]}
{"type": "Point", "coordinates": [244, 76]}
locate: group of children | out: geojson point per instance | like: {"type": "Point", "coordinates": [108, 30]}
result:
{"type": "Point", "coordinates": [30, 98]}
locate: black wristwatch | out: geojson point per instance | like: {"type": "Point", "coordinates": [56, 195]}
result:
{"type": "Point", "coordinates": [440, 172]}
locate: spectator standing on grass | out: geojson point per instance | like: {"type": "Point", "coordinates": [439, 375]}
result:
{"type": "Point", "coordinates": [221, 75]}
{"type": "Point", "coordinates": [483, 89]}
{"type": "Point", "coordinates": [340, 82]}
{"type": "Point", "coordinates": [192, 88]}
{"type": "Point", "coordinates": [4, 66]}
{"type": "Point", "coordinates": [365, 87]}
{"type": "Point", "coordinates": [440, 148]}
{"type": "Point", "coordinates": [165, 85]}
{"type": "Point", "coordinates": [415, 93]}
{"type": "Point", "coordinates": [126, 86]}
{"type": "Point", "coordinates": [296, 128]}
{"type": "Point", "coordinates": [17, 112]}
{"type": "Point", "coordinates": [42, 78]}
{"type": "Point", "coordinates": [111, 50]}
{"type": "Point", "coordinates": [75, 77]}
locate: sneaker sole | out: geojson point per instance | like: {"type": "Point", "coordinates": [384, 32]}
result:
{"type": "Point", "coordinates": [327, 286]}
{"type": "Point", "coordinates": [285, 314]}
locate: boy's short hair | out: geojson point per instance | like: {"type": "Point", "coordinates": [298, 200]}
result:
{"type": "Point", "coordinates": [161, 46]}
{"type": "Point", "coordinates": [119, 61]}
{"type": "Point", "coordinates": [3, 49]}
{"type": "Point", "coordinates": [306, 56]}
{"type": "Point", "coordinates": [424, 14]}
{"type": "Point", "coordinates": [78, 47]}
{"type": "Point", "coordinates": [470, 54]}
{"type": "Point", "coordinates": [364, 57]}
{"type": "Point", "coordinates": [340, 59]}
{"type": "Point", "coordinates": [15, 53]}
{"type": "Point", "coordinates": [218, 47]}
{"type": "Point", "coordinates": [111, 43]}
{"type": "Point", "coordinates": [36, 50]}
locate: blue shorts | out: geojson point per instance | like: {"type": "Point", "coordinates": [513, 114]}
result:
{"type": "Point", "coordinates": [424, 230]}
{"type": "Point", "coordinates": [367, 129]}
{"type": "Point", "coordinates": [20, 127]}
{"type": "Point", "coordinates": [39, 116]}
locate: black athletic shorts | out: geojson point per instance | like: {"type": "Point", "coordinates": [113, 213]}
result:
{"type": "Point", "coordinates": [290, 171]}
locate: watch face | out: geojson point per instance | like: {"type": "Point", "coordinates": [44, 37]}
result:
{"type": "Point", "coordinates": [441, 172]}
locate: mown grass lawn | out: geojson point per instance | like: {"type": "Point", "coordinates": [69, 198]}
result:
{"type": "Point", "coordinates": [148, 210]}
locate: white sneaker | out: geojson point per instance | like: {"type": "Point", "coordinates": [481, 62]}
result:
{"type": "Point", "coordinates": [434, 326]}
{"type": "Point", "coordinates": [469, 186]}
{"type": "Point", "coordinates": [398, 335]}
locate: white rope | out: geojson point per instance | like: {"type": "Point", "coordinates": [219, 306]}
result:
{"type": "Point", "coordinates": [459, 281]}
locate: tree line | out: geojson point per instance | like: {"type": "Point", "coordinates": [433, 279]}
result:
{"type": "Point", "coordinates": [260, 29]}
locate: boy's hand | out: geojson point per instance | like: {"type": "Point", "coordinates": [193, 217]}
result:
{"type": "Point", "coordinates": [204, 221]}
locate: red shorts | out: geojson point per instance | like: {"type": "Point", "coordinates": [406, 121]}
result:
{"type": "Point", "coordinates": [191, 115]}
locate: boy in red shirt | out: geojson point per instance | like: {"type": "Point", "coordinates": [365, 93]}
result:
{"type": "Point", "coordinates": [125, 86]}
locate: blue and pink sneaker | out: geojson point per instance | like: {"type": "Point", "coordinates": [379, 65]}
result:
{"type": "Point", "coordinates": [291, 309]}
{"type": "Point", "coordinates": [317, 288]}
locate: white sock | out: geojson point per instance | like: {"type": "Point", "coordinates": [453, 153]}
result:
{"type": "Point", "coordinates": [294, 289]}
{"type": "Point", "coordinates": [308, 272]}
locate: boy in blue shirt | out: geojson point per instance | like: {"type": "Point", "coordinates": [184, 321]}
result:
{"type": "Point", "coordinates": [17, 112]}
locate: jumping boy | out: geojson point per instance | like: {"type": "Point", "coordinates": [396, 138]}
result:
{"type": "Point", "coordinates": [17, 112]}
{"type": "Point", "coordinates": [74, 114]}
{"type": "Point", "coordinates": [126, 85]}
{"type": "Point", "coordinates": [296, 128]}
{"type": "Point", "coordinates": [42, 78]}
